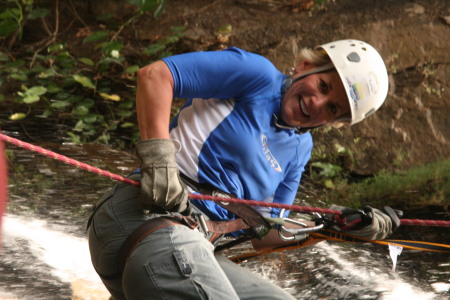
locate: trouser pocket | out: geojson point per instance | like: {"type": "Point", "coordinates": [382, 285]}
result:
{"type": "Point", "coordinates": [169, 277]}
{"type": "Point", "coordinates": [175, 263]}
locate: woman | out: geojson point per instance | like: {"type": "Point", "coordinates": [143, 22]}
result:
{"type": "Point", "coordinates": [243, 132]}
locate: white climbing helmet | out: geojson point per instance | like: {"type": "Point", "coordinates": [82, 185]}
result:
{"type": "Point", "coordinates": [363, 73]}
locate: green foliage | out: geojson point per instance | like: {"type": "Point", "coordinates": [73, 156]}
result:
{"type": "Point", "coordinates": [429, 184]}
{"type": "Point", "coordinates": [326, 166]}
{"type": "Point", "coordinates": [327, 170]}
{"type": "Point", "coordinates": [160, 49]}
{"type": "Point", "coordinates": [149, 5]}
{"type": "Point", "coordinates": [17, 116]}
{"type": "Point", "coordinates": [327, 173]}
{"type": "Point", "coordinates": [16, 12]}
{"type": "Point", "coordinates": [84, 81]}
{"type": "Point", "coordinates": [94, 94]}
{"type": "Point", "coordinates": [31, 95]}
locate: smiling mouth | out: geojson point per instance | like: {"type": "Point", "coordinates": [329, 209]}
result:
{"type": "Point", "coordinates": [302, 107]}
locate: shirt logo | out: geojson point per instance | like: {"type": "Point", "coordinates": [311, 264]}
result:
{"type": "Point", "coordinates": [269, 156]}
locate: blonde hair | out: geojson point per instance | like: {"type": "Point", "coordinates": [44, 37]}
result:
{"type": "Point", "coordinates": [317, 57]}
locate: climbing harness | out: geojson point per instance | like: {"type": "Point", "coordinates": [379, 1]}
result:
{"type": "Point", "coordinates": [213, 230]}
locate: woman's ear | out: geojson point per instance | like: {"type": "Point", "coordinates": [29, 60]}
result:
{"type": "Point", "coordinates": [303, 66]}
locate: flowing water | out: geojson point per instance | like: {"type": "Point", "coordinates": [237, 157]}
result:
{"type": "Point", "coordinates": [45, 253]}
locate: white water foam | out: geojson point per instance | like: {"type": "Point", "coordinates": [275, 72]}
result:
{"type": "Point", "coordinates": [69, 260]}
{"type": "Point", "coordinates": [390, 284]}
{"type": "Point", "coordinates": [66, 255]}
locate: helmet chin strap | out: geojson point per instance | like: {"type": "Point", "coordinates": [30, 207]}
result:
{"type": "Point", "coordinates": [290, 80]}
{"type": "Point", "coordinates": [280, 124]}
{"type": "Point", "coordinates": [287, 84]}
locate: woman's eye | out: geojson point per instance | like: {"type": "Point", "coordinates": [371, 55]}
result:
{"type": "Point", "coordinates": [333, 108]}
{"type": "Point", "coordinates": [323, 87]}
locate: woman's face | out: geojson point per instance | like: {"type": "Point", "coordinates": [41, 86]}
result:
{"type": "Point", "coordinates": [314, 100]}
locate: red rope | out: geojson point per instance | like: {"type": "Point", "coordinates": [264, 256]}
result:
{"type": "Point", "coordinates": [3, 185]}
{"type": "Point", "coordinates": [297, 208]}
{"type": "Point", "coordinates": [436, 223]}
{"type": "Point", "coordinates": [304, 209]}
{"type": "Point", "coordinates": [66, 159]}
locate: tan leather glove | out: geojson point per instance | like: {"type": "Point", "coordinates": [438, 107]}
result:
{"type": "Point", "coordinates": [161, 186]}
{"type": "Point", "coordinates": [378, 229]}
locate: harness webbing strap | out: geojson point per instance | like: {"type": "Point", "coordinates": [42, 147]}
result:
{"type": "Point", "coordinates": [223, 227]}
{"type": "Point", "coordinates": [258, 225]}
{"type": "Point", "coordinates": [140, 233]}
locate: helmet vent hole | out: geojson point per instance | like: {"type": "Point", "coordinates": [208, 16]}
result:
{"type": "Point", "coordinates": [364, 48]}
{"type": "Point", "coordinates": [353, 45]}
{"type": "Point", "coordinates": [354, 57]}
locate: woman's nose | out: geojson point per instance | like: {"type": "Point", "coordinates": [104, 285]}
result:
{"type": "Point", "coordinates": [319, 101]}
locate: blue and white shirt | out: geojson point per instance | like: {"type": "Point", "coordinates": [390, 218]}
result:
{"type": "Point", "coordinates": [226, 128]}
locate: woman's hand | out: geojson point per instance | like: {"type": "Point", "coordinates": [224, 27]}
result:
{"type": "Point", "coordinates": [161, 187]}
{"type": "Point", "coordinates": [368, 223]}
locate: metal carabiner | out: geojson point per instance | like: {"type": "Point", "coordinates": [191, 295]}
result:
{"type": "Point", "coordinates": [296, 233]}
